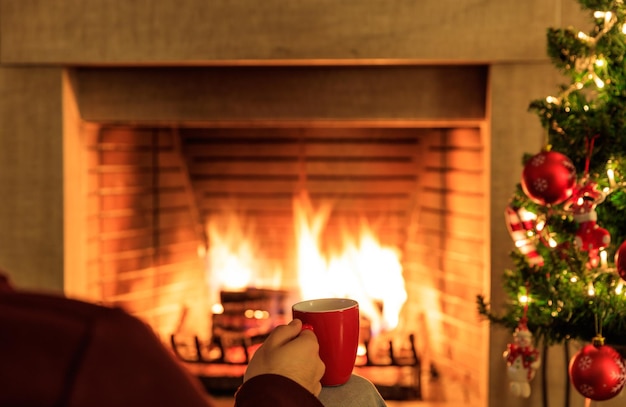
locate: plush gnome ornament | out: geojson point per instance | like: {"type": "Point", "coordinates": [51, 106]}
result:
{"type": "Point", "coordinates": [522, 360]}
{"type": "Point", "coordinates": [590, 237]}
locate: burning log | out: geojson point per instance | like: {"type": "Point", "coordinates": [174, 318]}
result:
{"type": "Point", "coordinates": [244, 320]}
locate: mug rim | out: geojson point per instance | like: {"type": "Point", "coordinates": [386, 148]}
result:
{"type": "Point", "coordinates": [326, 307]}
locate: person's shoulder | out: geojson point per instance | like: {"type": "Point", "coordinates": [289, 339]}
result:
{"type": "Point", "coordinates": [271, 390]}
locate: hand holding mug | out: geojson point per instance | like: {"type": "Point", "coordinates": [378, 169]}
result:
{"type": "Point", "coordinates": [292, 352]}
{"type": "Point", "coordinates": [335, 322]}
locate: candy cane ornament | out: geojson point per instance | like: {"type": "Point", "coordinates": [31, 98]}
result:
{"type": "Point", "coordinates": [518, 229]}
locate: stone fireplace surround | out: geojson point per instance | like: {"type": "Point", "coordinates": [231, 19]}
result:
{"type": "Point", "coordinates": [39, 40]}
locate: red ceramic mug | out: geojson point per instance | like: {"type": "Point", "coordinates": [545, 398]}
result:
{"type": "Point", "coordinates": [335, 322]}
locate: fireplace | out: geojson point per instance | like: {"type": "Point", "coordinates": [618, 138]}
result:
{"type": "Point", "coordinates": [161, 153]}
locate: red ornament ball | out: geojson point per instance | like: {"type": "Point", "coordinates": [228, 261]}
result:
{"type": "Point", "coordinates": [597, 372]}
{"type": "Point", "coordinates": [549, 178]}
{"type": "Point", "coordinates": [620, 260]}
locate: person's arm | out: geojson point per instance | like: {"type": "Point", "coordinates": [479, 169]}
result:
{"type": "Point", "coordinates": [285, 371]}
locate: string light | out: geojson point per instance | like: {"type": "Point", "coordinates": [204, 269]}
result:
{"type": "Point", "coordinates": [552, 99]}
{"type": "Point", "coordinates": [603, 260]}
{"type": "Point", "coordinates": [591, 291]}
{"type": "Point", "coordinates": [611, 174]}
{"type": "Point", "coordinates": [540, 225]}
{"type": "Point", "coordinates": [552, 242]}
{"type": "Point", "coordinates": [599, 82]}
{"type": "Point", "coordinates": [607, 15]}
{"type": "Point", "coordinates": [619, 288]}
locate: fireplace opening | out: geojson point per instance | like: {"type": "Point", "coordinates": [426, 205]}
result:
{"type": "Point", "coordinates": [163, 198]}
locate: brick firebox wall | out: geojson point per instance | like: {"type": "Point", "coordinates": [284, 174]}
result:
{"type": "Point", "coordinates": [149, 201]}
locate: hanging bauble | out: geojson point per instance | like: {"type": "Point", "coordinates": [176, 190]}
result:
{"type": "Point", "coordinates": [597, 371]}
{"type": "Point", "coordinates": [549, 178]}
{"type": "Point", "coordinates": [620, 260]}
{"type": "Point", "coordinates": [522, 361]}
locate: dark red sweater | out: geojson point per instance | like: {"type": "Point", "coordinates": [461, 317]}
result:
{"type": "Point", "coordinates": [270, 390]}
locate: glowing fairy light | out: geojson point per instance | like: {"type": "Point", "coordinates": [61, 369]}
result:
{"type": "Point", "coordinates": [524, 299]}
{"type": "Point", "coordinates": [526, 215]}
{"type": "Point", "coordinates": [552, 99]}
{"type": "Point", "coordinates": [583, 36]}
{"type": "Point", "coordinates": [620, 288]}
{"type": "Point", "coordinates": [611, 174]}
{"type": "Point", "coordinates": [552, 242]}
{"type": "Point", "coordinates": [591, 291]}
{"type": "Point", "coordinates": [603, 259]}
{"type": "Point", "coordinates": [606, 15]}
{"type": "Point", "coordinates": [540, 225]}
{"type": "Point", "coordinates": [599, 82]}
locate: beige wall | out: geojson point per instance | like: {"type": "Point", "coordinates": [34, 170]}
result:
{"type": "Point", "coordinates": [31, 197]}
{"type": "Point", "coordinates": [38, 38]}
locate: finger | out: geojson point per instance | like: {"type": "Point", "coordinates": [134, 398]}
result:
{"type": "Point", "coordinates": [318, 389]}
{"type": "Point", "coordinates": [321, 368]}
{"type": "Point", "coordinates": [308, 335]}
{"type": "Point", "coordinates": [284, 333]}
{"type": "Point", "coordinates": [296, 322]}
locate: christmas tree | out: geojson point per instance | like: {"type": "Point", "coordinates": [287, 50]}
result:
{"type": "Point", "coordinates": [567, 216]}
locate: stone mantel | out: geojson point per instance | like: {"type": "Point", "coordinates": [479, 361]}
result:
{"type": "Point", "coordinates": [104, 32]}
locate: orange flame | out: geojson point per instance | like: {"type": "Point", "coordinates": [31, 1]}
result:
{"type": "Point", "coordinates": [231, 253]}
{"type": "Point", "coordinates": [365, 270]}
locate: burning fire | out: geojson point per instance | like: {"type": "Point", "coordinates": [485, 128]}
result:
{"type": "Point", "coordinates": [231, 253]}
{"type": "Point", "coordinates": [363, 269]}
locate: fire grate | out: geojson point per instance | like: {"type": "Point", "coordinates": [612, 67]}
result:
{"type": "Point", "coordinates": [246, 319]}
{"type": "Point", "coordinates": [397, 378]}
